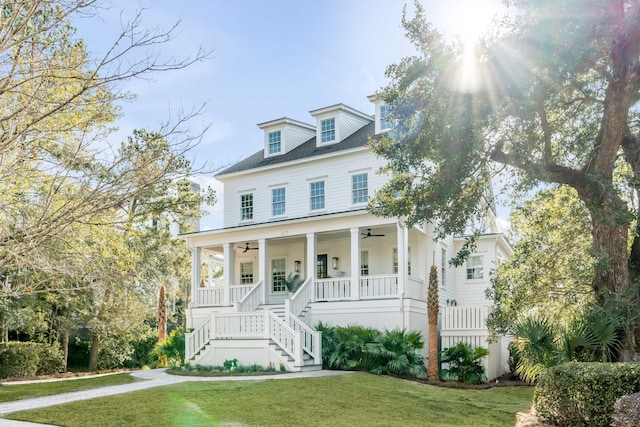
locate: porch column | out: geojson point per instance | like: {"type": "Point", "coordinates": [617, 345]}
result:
{"type": "Point", "coordinates": [195, 275]}
{"type": "Point", "coordinates": [310, 266]}
{"type": "Point", "coordinates": [263, 268]}
{"type": "Point", "coordinates": [355, 264]}
{"type": "Point", "coordinates": [403, 241]}
{"type": "Point", "coordinates": [229, 262]}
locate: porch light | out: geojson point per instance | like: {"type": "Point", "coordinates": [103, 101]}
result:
{"type": "Point", "coordinates": [334, 262]}
{"type": "Point", "coordinates": [296, 263]}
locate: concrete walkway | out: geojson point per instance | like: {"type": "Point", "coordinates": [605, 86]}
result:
{"type": "Point", "coordinates": [151, 378]}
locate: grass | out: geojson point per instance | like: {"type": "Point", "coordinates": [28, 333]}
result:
{"type": "Point", "coordinates": [12, 392]}
{"type": "Point", "coordinates": [348, 400]}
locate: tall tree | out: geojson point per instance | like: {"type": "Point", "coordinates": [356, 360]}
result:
{"type": "Point", "coordinates": [551, 267]}
{"type": "Point", "coordinates": [162, 314]}
{"type": "Point", "coordinates": [555, 100]}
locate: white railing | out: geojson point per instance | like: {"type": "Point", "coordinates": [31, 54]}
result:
{"type": "Point", "coordinates": [379, 286]}
{"type": "Point", "coordinates": [239, 325]}
{"type": "Point", "coordinates": [311, 339]}
{"type": "Point", "coordinates": [465, 317]}
{"type": "Point", "coordinates": [252, 300]}
{"type": "Point", "coordinates": [197, 339]}
{"type": "Point", "coordinates": [289, 340]}
{"type": "Point", "coordinates": [333, 289]}
{"type": "Point", "coordinates": [299, 300]}
{"type": "Point", "coordinates": [415, 288]}
{"type": "Point", "coordinates": [239, 291]}
{"type": "Point", "coordinates": [207, 297]}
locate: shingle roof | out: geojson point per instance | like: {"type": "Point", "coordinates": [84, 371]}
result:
{"type": "Point", "coordinates": [307, 149]}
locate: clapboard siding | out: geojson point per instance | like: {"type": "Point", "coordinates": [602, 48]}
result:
{"type": "Point", "coordinates": [335, 171]}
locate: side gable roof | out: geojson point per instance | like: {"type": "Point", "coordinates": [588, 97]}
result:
{"type": "Point", "coordinates": [308, 149]}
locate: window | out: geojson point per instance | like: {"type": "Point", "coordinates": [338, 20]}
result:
{"type": "Point", "coordinates": [364, 263]}
{"type": "Point", "coordinates": [246, 206]}
{"type": "Point", "coordinates": [246, 273]}
{"type": "Point", "coordinates": [359, 189]}
{"type": "Point", "coordinates": [409, 260]}
{"type": "Point", "coordinates": [474, 267]}
{"type": "Point", "coordinates": [277, 275]}
{"type": "Point", "coordinates": [443, 268]}
{"type": "Point", "coordinates": [274, 142]}
{"type": "Point", "coordinates": [395, 260]}
{"type": "Point", "coordinates": [385, 123]}
{"type": "Point", "coordinates": [277, 198]}
{"type": "Point", "coordinates": [328, 130]}
{"type": "Point", "coordinates": [316, 189]}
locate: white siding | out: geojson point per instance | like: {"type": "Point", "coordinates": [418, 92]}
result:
{"type": "Point", "coordinates": [472, 292]}
{"type": "Point", "coordinates": [335, 171]}
{"type": "Point", "coordinates": [295, 136]}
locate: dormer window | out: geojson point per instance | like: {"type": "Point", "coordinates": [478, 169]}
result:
{"type": "Point", "coordinates": [274, 142]}
{"type": "Point", "coordinates": [385, 121]}
{"type": "Point", "coordinates": [328, 130]}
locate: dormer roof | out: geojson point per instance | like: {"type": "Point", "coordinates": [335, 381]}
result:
{"type": "Point", "coordinates": [340, 108]}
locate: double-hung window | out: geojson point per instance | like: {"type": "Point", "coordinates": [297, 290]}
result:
{"type": "Point", "coordinates": [328, 130]}
{"type": "Point", "coordinates": [246, 273]}
{"type": "Point", "coordinates": [364, 263]}
{"type": "Point", "coordinates": [246, 206]}
{"type": "Point", "coordinates": [274, 142]}
{"type": "Point", "coordinates": [359, 189]}
{"type": "Point", "coordinates": [385, 120]}
{"type": "Point", "coordinates": [278, 201]}
{"type": "Point", "coordinates": [475, 267]}
{"type": "Point", "coordinates": [316, 191]}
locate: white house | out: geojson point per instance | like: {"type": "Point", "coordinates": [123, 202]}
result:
{"type": "Point", "coordinates": [299, 206]}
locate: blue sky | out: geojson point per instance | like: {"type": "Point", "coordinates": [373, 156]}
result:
{"type": "Point", "coordinates": [271, 59]}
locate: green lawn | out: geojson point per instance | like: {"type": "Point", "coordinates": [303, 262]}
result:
{"type": "Point", "coordinates": [23, 391]}
{"type": "Point", "coordinates": [358, 399]}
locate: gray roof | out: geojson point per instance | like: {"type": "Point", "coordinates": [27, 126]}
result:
{"type": "Point", "coordinates": [307, 149]}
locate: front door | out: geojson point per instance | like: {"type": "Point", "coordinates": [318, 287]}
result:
{"type": "Point", "coordinates": [321, 267]}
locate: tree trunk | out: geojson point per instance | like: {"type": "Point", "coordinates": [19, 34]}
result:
{"type": "Point", "coordinates": [65, 339]}
{"type": "Point", "coordinates": [433, 306]}
{"type": "Point", "coordinates": [162, 314]}
{"type": "Point", "coordinates": [95, 350]}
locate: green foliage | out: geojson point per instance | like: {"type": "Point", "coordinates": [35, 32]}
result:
{"type": "Point", "coordinates": [584, 393]}
{"type": "Point", "coordinates": [465, 363]}
{"type": "Point", "coordinates": [594, 335]}
{"type": "Point", "coordinates": [173, 348]}
{"type": "Point", "coordinates": [28, 359]}
{"type": "Point", "coordinates": [396, 352]}
{"type": "Point", "coordinates": [18, 360]}
{"type": "Point", "coordinates": [358, 348]}
{"type": "Point", "coordinates": [551, 267]}
{"type": "Point", "coordinates": [142, 352]}
{"type": "Point", "coordinates": [293, 282]}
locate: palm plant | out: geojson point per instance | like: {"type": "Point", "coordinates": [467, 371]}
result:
{"type": "Point", "coordinates": [465, 363]}
{"type": "Point", "coordinates": [396, 352]}
{"type": "Point", "coordinates": [432, 312]}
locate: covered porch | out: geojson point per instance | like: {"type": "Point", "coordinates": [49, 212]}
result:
{"type": "Point", "coordinates": [342, 260]}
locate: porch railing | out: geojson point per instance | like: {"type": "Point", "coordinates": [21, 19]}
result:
{"type": "Point", "coordinates": [252, 299]}
{"type": "Point", "coordinates": [211, 297]}
{"type": "Point", "coordinates": [300, 299]}
{"type": "Point", "coordinates": [379, 286]}
{"type": "Point", "coordinates": [333, 289]}
{"type": "Point", "coordinates": [239, 291]}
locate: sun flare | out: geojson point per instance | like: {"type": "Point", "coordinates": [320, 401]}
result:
{"type": "Point", "coordinates": [472, 19]}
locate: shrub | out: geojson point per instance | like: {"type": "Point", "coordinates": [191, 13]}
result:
{"type": "Point", "coordinates": [584, 393]}
{"type": "Point", "coordinates": [626, 411]}
{"type": "Point", "coordinates": [514, 357]}
{"type": "Point", "coordinates": [172, 349]}
{"type": "Point", "coordinates": [359, 348]}
{"type": "Point", "coordinates": [50, 358]}
{"type": "Point", "coordinates": [465, 363]}
{"type": "Point", "coordinates": [18, 360]}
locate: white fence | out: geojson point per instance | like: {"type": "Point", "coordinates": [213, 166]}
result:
{"type": "Point", "coordinates": [468, 324]}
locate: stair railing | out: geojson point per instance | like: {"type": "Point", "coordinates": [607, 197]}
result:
{"type": "Point", "coordinates": [252, 300]}
{"type": "Point", "coordinates": [300, 299]}
{"type": "Point", "coordinates": [197, 339]}
{"type": "Point", "coordinates": [311, 339]}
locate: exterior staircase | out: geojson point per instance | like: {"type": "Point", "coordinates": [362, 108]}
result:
{"type": "Point", "coordinates": [295, 344]}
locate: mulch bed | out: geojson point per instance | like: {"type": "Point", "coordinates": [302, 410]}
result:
{"type": "Point", "coordinates": [504, 381]}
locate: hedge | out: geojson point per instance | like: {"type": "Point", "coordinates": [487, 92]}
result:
{"type": "Point", "coordinates": [584, 393]}
{"type": "Point", "coordinates": [28, 359]}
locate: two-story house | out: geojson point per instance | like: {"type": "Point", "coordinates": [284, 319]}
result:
{"type": "Point", "coordinates": [298, 206]}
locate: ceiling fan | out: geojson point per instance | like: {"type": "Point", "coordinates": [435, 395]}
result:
{"type": "Point", "coordinates": [247, 248]}
{"type": "Point", "coordinates": [368, 234]}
